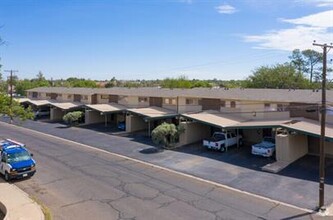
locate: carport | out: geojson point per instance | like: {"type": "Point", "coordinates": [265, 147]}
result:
{"type": "Point", "coordinates": [59, 109]}
{"type": "Point", "coordinates": [138, 118]}
{"type": "Point", "coordinates": [207, 120]}
{"type": "Point", "coordinates": [34, 103]}
{"type": "Point", "coordinates": [255, 130]}
{"type": "Point", "coordinates": [95, 113]}
{"type": "Point", "coordinates": [311, 129]}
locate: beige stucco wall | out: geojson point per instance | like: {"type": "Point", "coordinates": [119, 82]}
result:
{"type": "Point", "coordinates": [64, 98]}
{"type": "Point", "coordinates": [329, 118]}
{"type": "Point", "coordinates": [183, 108]}
{"type": "Point", "coordinates": [135, 123]}
{"type": "Point", "coordinates": [102, 101]}
{"type": "Point", "coordinates": [314, 144]}
{"type": "Point", "coordinates": [92, 117]}
{"type": "Point", "coordinates": [193, 132]}
{"type": "Point", "coordinates": [257, 111]}
{"type": "Point", "coordinates": [291, 147]}
{"type": "Point", "coordinates": [170, 107]}
{"type": "Point", "coordinates": [86, 101]}
{"type": "Point", "coordinates": [56, 114]}
{"type": "Point", "coordinates": [131, 101]}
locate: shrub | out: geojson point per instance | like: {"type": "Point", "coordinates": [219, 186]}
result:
{"type": "Point", "coordinates": [73, 117]}
{"type": "Point", "coordinates": [166, 134]}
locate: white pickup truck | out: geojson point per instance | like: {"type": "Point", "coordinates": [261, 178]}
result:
{"type": "Point", "coordinates": [222, 140]}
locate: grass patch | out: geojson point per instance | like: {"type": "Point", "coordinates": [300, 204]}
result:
{"type": "Point", "coordinates": [45, 209]}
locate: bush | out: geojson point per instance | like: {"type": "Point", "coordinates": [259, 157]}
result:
{"type": "Point", "coordinates": [73, 117]}
{"type": "Point", "coordinates": [166, 135]}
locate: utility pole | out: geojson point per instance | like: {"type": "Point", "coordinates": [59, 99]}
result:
{"type": "Point", "coordinates": [321, 205]}
{"type": "Point", "coordinates": [11, 93]}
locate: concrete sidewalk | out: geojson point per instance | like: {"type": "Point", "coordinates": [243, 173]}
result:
{"type": "Point", "coordinates": [17, 205]}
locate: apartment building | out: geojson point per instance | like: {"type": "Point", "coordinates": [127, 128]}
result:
{"type": "Point", "coordinates": [254, 113]}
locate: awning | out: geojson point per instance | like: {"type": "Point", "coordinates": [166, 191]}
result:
{"type": "Point", "coordinates": [66, 105]}
{"type": "Point", "coordinates": [309, 127]}
{"type": "Point", "coordinates": [215, 118]}
{"type": "Point", "coordinates": [153, 112]}
{"type": "Point", "coordinates": [107, 108]}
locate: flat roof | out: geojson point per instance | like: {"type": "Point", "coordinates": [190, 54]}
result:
{"type": "Point", "coordinates": [242, 94]}
{"type": "Point", "coordinates": [21, 100]}
{"type": "Point", "coordinates": [153, 112]}
{"type": "Point", "coordinates": [262, 123]}
{"type": "Point", "coordinates": [66, 105]}
{"type": "Point", "coordinates": [215, 118]}
{"type": "Point", "coordinates": [110, 107]}
{"type": "Point", "coordinates": [310, 127]}
{"type": "Point", "coordinates": [34, 102]}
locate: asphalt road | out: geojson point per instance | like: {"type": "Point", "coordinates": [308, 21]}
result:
{"type": "Point", "coordinates": [76, 182]}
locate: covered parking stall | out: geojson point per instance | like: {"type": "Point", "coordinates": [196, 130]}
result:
{"type": "Point", "coordinates": [59, 109]}
{"type": "Point", "coordinates": [111, 113]}
{"type": "Point", "coordinates": [201, 125]}
{"type": "Point", "coordinates": [148, 118]}
{"type": "Point", "coordinates": [36, 105]}
{"type": "Point", "coordinates": [309, 130]}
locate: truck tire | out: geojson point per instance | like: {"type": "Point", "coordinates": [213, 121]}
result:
{"type": "Point", "coordinates": [222, 149]}
{"type": "Point", "coordinates": [7, 177]}
{"type": "Point", "coordinates": [240, 142]}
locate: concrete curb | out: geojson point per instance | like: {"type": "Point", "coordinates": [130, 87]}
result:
{"type": "Point", "coordinates": [17, 205]}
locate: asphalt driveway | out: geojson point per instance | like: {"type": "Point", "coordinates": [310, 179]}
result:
{"type": "Point", "coordinates": [297, 184]}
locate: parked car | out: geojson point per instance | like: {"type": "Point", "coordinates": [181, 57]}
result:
{"type": "Point", "coordinates": [265, 148]}
{"type": "Point", "coordinates": [222, 141]}
{"type": "Point", "coordinates": [16, 161]}
{"type": "Point", "coordinates": [41, 113]}
{"type": "Point", "coordinates": [121, 125]}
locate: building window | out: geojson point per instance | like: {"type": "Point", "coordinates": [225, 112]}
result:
{"type": "Point", "coordinates": [48, 95]}
{"type": "Point", "coordinates": [69, 96]}
{"type": "Point", "coordinates": [34, 94]}
{"type": "Point", "coordinates": [267, 105]}
{"type": "Point", "coordinates": [280, 107]}
{"type": "Point", "coordinates": [59, 95]}
{"type": "Point", "coordinates": [232, 104]}
{"type": "Point", "coordinates": [222, 103]}
{"type": "Point", "coordinates": [143, 99]}
{"type": "Point", "coordinates": [169, 101]}
{"type": "Point", "coordinates": [189, 101]}
{"type": "Point", "coordinates": [104, 96]}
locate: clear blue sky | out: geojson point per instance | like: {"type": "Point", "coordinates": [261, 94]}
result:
{"type": "Point", "coordinates": [150, 39]}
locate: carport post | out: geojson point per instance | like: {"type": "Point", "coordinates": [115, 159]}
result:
{"type": "Point", "coordinates": [106, 120]}
{"type": "Point", "coordinates": [148, 128]}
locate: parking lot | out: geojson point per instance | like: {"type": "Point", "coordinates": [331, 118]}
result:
{"type": "Point", "coordinates": [238, 168]}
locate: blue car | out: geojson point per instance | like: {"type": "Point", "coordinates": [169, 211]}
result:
{"type": "Point", "coordinates": [122, 125]}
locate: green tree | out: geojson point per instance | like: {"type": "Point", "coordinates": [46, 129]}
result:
{"type": "Point", "coordinates": [279, 76]}
{"type": "Point", "coordinates": [14, 110]}
{"type": "Point", "coordinates": [166, 134]}
{"type": "Point", "coordinates": [73, 117]}
{"type": "Point", "coordinates": [307, 61]}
